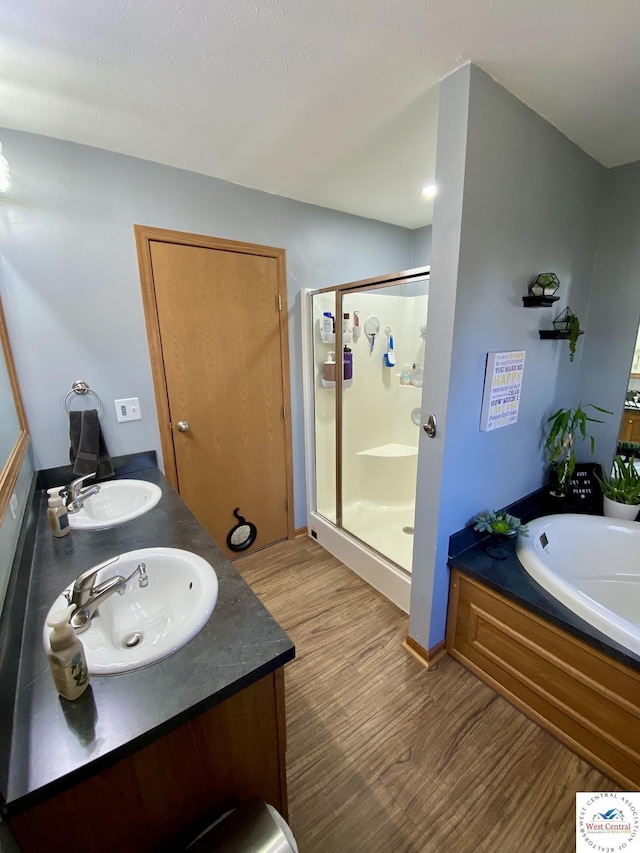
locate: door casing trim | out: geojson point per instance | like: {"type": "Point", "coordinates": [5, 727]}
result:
{"type": "Point", "coordinates": [144, 236]}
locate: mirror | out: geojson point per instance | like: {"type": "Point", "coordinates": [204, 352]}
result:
{"type": "Point", "coordinates": [14, 437]}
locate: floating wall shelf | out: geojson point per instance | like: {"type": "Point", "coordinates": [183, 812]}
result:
{"type": "Point", "coordinates": [539, 301]}
{"type": "Point", "coordinates": [555, 335]}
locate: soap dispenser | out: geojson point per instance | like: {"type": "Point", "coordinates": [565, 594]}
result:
{"type": "Point", "coordinates": [66, 657]}
{"type": "Point", "coordinates": [57, 512]}
{"type": "Point", "coordinates": [329, 368]}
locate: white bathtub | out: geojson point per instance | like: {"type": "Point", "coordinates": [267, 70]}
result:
{"type": "Point", "coordinates": [592, 565]}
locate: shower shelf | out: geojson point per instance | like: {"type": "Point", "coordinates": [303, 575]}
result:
{"type": "Point", "coordinates": [389, 451]}
{"type": "Point", "coordinates": [346, 383]}
{"type": "Point", "coordinates": [330, 337]}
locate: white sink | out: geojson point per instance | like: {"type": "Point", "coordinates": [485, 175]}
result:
{"type": "Point", "coordinates": [159, 618]}
{"type": "Point", "coordinates": [116, 502]}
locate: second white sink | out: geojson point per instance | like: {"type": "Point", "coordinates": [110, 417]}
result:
{"type": "Point", "coordinates": [116, 502]}
{"type": "Point", "coordinates": [145, 624]}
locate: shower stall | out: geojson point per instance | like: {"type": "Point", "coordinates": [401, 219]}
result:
{"type": "Point", "coordinates": [363, 369]}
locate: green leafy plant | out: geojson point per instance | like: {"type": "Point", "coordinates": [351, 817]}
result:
{"type": "Point", "coordinates": [563, 428]}
{"type": "Point", "coordinates": [500, 523]}
{"type": "Point", "coordinates": [623, 484]}
{"type": "Point", "coordinates": [568, 322]}
{"type": "Point", "coordinates": [573, 325]}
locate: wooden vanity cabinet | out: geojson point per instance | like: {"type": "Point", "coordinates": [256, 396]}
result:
{"type": "Point", "coordinates": [630, 426]}
{"type": "Point", "coordinates": [153, 799]}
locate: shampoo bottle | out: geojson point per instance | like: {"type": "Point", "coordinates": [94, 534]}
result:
{"type": "Point", "coordinates": [348, 363]}
{"type": "Point", "coordinates": [57, 513]}
{"type": "Point", "coordinates": [66, 658]}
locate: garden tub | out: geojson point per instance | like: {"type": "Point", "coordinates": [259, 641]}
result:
{"type": "Point", "coordinates": [591, 565]}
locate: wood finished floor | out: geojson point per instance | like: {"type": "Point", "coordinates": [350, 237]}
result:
{"type": "Point", "coordinates": [385, 756]}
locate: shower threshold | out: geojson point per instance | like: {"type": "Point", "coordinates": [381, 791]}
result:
{"type": "Point", "coordinates": [367, 562]}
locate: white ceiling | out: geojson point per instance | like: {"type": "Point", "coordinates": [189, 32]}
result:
{"type": "Point", "coordinates": [327, 101]}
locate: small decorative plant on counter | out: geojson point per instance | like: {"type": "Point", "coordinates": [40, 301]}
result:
{"type": "Point", "coordinates": [564, 427]}
{"type": "Point", "coordinates": [621, 490]}
{"type": "Point", "coordinates": [500, 525]}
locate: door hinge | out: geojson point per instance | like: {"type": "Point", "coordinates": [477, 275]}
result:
{"type": "Point", "coordinates": [284, 411]}
{"type": "Point", "coordinates": [279, 302]}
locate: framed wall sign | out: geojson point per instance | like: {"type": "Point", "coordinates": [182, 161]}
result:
{"type": "Point", "coordinates": [502, 385]}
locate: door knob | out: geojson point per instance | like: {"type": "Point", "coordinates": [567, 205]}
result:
{"type": "Point", "coordinates": [431, 426]}
{"type": "Point", "coordinates": [183, 426]}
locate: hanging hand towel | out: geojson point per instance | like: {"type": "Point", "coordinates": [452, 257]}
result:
{"type": "Point", "coordinates": [88, 452]}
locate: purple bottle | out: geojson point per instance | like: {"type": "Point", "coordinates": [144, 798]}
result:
{"type": "Point", "coordinates": [348, 363]}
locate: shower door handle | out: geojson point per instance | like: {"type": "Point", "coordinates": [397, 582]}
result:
{"type": "Point", "coordinates": [431, 426]}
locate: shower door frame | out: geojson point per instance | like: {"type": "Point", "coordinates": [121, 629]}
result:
{"type": "Point", "coordinates": [397, 586]}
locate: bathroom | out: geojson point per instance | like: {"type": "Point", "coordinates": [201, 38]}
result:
{"type": "Point", "coordinates": [552, 221]}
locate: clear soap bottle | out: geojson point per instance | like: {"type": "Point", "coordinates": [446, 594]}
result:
{"type": "Point", "coordinates": [57, 513]}
{"type": "Point", "coordinates": [66, 657]}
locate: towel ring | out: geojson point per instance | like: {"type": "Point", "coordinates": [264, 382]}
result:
{"type": "Point", "coordinates": [80, 387]}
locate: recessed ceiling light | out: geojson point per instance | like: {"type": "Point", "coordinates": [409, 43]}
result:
{"type": "Point", "coordinates": [429, 191]}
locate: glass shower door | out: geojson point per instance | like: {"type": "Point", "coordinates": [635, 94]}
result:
{"type": "Point", "coordinates": [380, 414]}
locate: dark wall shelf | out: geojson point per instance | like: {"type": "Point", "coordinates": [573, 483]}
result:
{"type": "Point", "coordinates": [539, 301]}
{"type": "Point", "coordinates": [555, 335]}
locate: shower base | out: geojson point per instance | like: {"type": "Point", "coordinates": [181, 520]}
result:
{"type": "Point", "coordinates": [383, 528]}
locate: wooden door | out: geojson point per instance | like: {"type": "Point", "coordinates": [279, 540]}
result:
{"type": "Point", "coordinates": [216, 317]}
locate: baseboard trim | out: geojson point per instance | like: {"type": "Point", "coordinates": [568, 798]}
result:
{"type": "Point", "coordinates": [428, 657]}
{"type": "Point", "coordinates": [300, 531]}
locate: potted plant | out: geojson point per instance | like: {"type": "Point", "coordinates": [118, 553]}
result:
{"type": "Point", "coordinates": [568, 324]}
{"type": "Point", "coordinates": [564, 427]}
{"type": "Point", "coordinates": [544, 284]}
{"type": "Point", "coordinates": [501, 526]}
{"type": "Point", "coordinates": [541, 291]}
{"type": "Point", "coordinates": [621, 490]}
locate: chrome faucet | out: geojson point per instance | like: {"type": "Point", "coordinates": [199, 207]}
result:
{"type": "Point", "coordinates": [87, 596]}
{"type": "Point", "coordinates": [77, 495]}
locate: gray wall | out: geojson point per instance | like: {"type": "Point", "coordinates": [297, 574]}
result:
{"type": "Point", "coordinates": [614, 309]}
{"type": "Point", "coordinates": [421, 246]}
{"type": "Point", "coordinates": [515, 198]}
{"type": "Point", "coordinates": [72, 292]}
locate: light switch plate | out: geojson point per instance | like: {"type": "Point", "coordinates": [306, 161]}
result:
{"type": "Point", "coordinates": [128, 410]}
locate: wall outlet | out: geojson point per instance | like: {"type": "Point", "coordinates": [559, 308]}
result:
{"type": "Point", "coordinates": [128, 410]}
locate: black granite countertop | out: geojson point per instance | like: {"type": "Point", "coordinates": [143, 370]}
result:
{"type": "Point", "coordinates": [55, 743]}
{"type": "Point", "coordinates": [510, 579]}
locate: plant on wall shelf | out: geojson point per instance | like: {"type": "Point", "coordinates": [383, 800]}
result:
{"type": "Point", "coordinates": [544, 284]}
{"type": "Point", "coordinates": [574, 331]}
{"type": "Point", "coordinates": [563, 428]}
{"type": "Point", "coordinates": [567, 321]}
